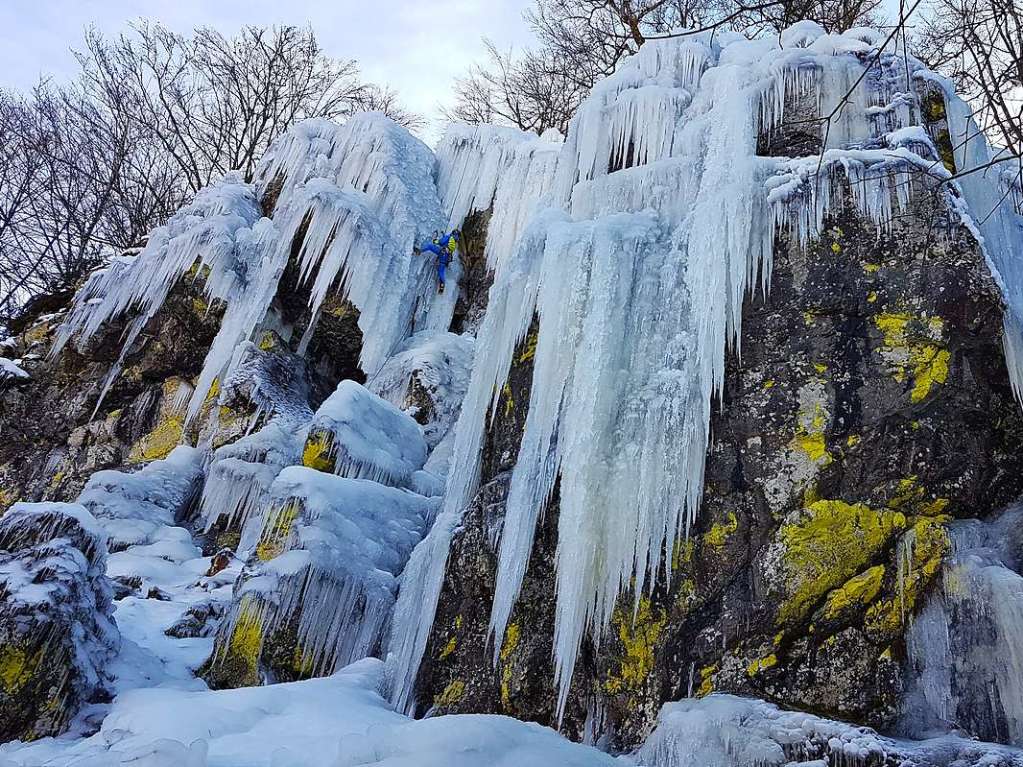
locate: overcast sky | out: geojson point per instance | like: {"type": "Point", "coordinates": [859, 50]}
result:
{"type": "Point", "coordinates": [416, 47]}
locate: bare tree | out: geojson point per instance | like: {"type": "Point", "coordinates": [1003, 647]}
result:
{"type": "Point", "coordinates": [215, 103]}
{"type": "Point", "coordinates": [534, 92]}
{"type": "Point", "coordinates": [582, 41]}
{"type": "Point", "coordinates": [154, 116]}
{"type": "Point", "coordinates": [979, 45]}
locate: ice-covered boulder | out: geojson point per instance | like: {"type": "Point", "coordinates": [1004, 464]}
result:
{"type": "Point", "coordinates": [319, 591]}
{"type": "Point", "coordinates": [57, 633]}
{"type": "Point", "coordinates": [358, 434]}
{"type": "Point", "coordinates": [426, 377]}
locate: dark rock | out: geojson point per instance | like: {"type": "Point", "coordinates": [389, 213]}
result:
{"type": "Point", "coordinates": [56, 626]}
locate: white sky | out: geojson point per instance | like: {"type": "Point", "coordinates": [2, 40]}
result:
{"type": "Point", "coordinates": [417, 48]}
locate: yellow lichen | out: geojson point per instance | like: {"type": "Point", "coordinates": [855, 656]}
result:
{"type": "Point", "coordinates": [246, 642]}
{"type": "Point", "coordinates": [451, 695]}
{"type": "Point", "coordinates": [7, 497]}
{"type": "Point", "coordinates": [769, 383]}
{"type": "Point", "coordinates": [872, 297]}
{"type": "Point", "coordinates": [268, 341]}
{"type": "Point", "coordinates": [276, 530]}
{"type": "Point", "coordinates": [911, 345]}
{"type": "Point", "coordinates": [820, 367]}
{"type": "Point", "coordinates": [169, 429]}
{"type": "Point", "coordinates": [639, 636]}
{"type": "Point", "coordinates": [529, 350]}
{"type": "Point", "coordinates": [302, 662]}
{"type": "Point", "coordinates": [871, 268]}
{"type": "Point", "coordinates": [509, 400]}
{"type": "Point", "coordinates": [836, 248]}
{"type": "Point", "coordinates": [158, 443]}
{"type": "Point", "coordinates": [828, 543]}
{"type": "Point", "coordinates": [706, 681]}
{"type": "Point", "coordinates": [682, 553]}
{"type": "Point", "coordinates": [17, 667]}
{"type": "Point", "coordinates": [859, 590]}
{"type": "Point", "coordinates": [448, 648]}
{"type": "Point", "coordinates": [318, 452]}
{"type": "Point", "coordinates": [760, 664]}
{"type": "Point", "coordinates": [853, 440]}
{"type": "Point", "coordinates": [920, 554]}
{"type": "Point", "coordinates": [719, 532]}
{"type": "Point", "coordinates": [511, 644]}
{"type": "Point", "coordinates": [809, 437]}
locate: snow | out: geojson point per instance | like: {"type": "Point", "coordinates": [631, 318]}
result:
{"type": "Point", "coordinates": [11, 371]}
{"type": "Point", "coordinates": [728, 731]}
{"type": "Point", "coordinates": [337, 721]}
{"type": "Point", "coordinates": [135, 507]}
{"type": "Point", "coordinates": [438, 363]}
{"type": "Point", "coordinates": [370, 437]}
{"type": "Point", "coordinates": [344, 542]}
{"type": "Point", "coordinates": [55, 594]}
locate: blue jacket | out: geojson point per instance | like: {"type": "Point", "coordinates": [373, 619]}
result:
{"type": "Point", "coordinates": [431, 247]}
{"type": "Point", "coordinates": [450, 242]}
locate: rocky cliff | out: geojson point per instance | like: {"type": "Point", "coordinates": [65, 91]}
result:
{"type": "Point", "coordinates": [723, 403]}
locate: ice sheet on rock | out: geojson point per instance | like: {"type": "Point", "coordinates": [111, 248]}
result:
{"type": "Point", "coordinates": [995, 198]}
{"type": "Point", "coordinates": [275, 381]}
{"type": "Point", "coordinates": [342, 542]}
{"type": "Point", "coordinates": [485, 167]}
{"type": "Point", "coordinates": [371, 438]}
{"type": "Point", "coordinates": [132, 507]}
{"type": "Point", "coordinates": [238, 480]}
{"type": "Point", "coordinates": [728, 731]}
{"type": "Point", "coordinates": [221, 230]}
{"type": "Point", "coordinates": [437, 364]}
{"type": "Point", "coordinates": [965, 658]}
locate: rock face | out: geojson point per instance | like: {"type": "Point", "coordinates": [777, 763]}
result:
{"type": "Point", "coordinates": [56, 626]}
{"type": "Point", "coordinates": [871, 405]}
{"type": "Point", "coordinates": [869, 409]}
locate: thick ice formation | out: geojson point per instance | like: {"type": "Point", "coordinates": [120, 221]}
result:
{"type": "Point", "coordinates": [336, 541]}
{"type": "Point", "coordinates": [363, 436]}
{"type": "Point", "coordinates": [240, 475]}
{"type": "Point", "coordinates": [486, 167]}
{"type": "Point", "coordinates": [662, 223]}
{"type": "Point", "coordinates": [356, 198]}
{"type": "Point", "coordinates": [994, 194]}
{"type": "Point", "coordinates": [964, 649]}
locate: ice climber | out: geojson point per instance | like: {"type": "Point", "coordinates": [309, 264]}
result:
{"type": "Point", "coordinates": [444, 249]}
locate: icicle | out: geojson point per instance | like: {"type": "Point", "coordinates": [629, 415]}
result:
{"type": "Point", "coordinates": [485, 166]}
{"type": "Point", "coordinates": [334, 541]}
{"type": "Point", "coordinates": [991, 195]}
